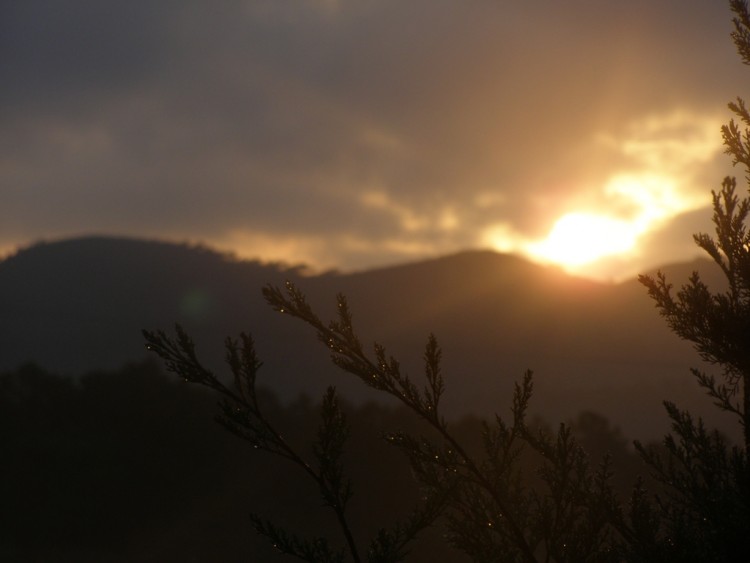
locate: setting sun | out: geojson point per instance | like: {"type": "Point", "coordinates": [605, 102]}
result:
{"type": "Point", "coordinates": [633, 204]}
{"type": "Point", "coordinates": [580, 238]}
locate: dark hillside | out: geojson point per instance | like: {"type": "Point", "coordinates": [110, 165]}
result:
{"type": "Point", "coordinates": [79, 305]}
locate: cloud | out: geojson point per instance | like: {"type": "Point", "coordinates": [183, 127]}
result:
{"type": "Point", "coordinates": [670, 243]}
{"type": "Point", "coordinates": [372, 129]}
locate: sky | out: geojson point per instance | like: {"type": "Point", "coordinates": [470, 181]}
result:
{"type": "Point", "coordinates": [352, 134]}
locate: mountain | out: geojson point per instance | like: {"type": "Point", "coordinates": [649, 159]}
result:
{"type": "Point", "coordinates": [78, 305]}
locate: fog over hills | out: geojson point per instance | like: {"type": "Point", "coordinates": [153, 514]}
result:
{"type": "Point", "coordinates": [79, 305]}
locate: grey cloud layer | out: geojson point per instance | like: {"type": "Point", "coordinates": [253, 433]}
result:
{"type": "Point", "coordinates": [194, 119]}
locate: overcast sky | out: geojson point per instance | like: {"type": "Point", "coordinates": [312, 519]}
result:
{"type": "Point", "coordinates": [356, 133]}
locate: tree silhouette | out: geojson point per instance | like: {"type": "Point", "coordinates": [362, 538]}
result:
{"type": "Point", "coordinates": [706, 513]}
{"type": "Point", "coordinates": [493, 506]}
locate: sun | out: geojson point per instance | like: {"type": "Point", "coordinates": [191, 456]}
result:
{"type": "Point", "coordinates": [586, 239]}
{"type": "Point", "coordinates": [578, 239]}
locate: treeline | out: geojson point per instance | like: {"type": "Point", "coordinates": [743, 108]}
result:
{"type": "Point", "coordinates": [130, 466]}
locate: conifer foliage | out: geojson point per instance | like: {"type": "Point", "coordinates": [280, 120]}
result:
{"type": "Point", "coordinates": [704, 514]}
{"type": "Point", "coordinates": [494, 507]}
{"type": "Point", "coordinates": [529, 495]}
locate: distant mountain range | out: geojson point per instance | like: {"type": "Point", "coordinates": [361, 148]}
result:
{"type": "Point", "coordinates": [79, 305]}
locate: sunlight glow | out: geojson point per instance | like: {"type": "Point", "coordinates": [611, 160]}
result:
{"type": "Point", "coordinates": [580, 238]}
{"type": "Point", "coordinates": [318, 254]}
{"type": "Point", "coordinates": [652, 196]}
{"type": "Point", "coordinates": [500, 238]}
{"type": "Point", "coordinates": [381, 201]}
{"type": "Point", "coordinates": [644, 201]}
{"type": "Point", "coordinates": [657, 181]}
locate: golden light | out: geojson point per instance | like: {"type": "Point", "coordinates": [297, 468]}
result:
{"type": "Point", "coordinates": [579, 238]}
{"type": "Point", "coordinates": [655, 196]}
{"type": "Point", "coordinates": [600, 228]}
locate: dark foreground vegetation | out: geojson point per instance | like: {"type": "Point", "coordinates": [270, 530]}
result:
{"type": "Point", "coordinates": [130, 466]}
{"type": "Point", "coordinates": [492, 507]}
{"type": "Point", "coordinates": [126, 466]}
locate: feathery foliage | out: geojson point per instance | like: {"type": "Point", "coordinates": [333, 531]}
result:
{"type": "Point", "coordinates": [704, 514]}
{"type": "Point", "coordinates": [495, 507]}
{"type": "Point", "coordinates": [532, 495]}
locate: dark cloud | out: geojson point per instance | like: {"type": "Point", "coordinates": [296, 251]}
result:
{"type": "Point", "coordinates": [292, 117]}
{"type": "Point", "coordinates": [61, 57]}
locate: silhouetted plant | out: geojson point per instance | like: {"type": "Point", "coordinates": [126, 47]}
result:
{"type": "Point", "coordinates": [494, 508]}
{"type": "Point", "coordinates": [241, 413]}
{"type": "Point", "coordinates": [704, 515]}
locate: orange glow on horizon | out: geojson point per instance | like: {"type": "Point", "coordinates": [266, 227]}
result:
{"type": "Point", "coordinates": [577, 239]}
{"type": "Point", "coordinates": [633, 205]}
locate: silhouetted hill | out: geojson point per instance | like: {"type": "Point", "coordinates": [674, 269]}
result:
{"type": "Point", "coordinates": [79, 305]}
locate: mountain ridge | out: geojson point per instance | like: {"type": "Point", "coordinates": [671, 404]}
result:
{"type": "Point", "coordinates": [79, 305]}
